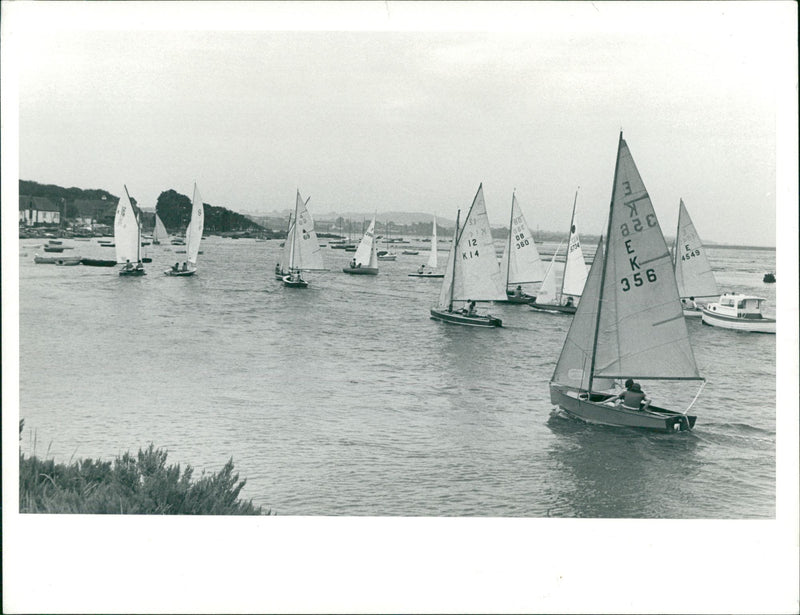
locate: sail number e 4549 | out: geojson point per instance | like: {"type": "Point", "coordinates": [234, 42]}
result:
{"type": "Point", "coordinates": [650, 276]}
{"type": "Point", "coordinates": [690, 255]}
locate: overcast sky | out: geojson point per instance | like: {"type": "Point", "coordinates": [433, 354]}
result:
{"type": "Point", "coordinates": [519, 96]}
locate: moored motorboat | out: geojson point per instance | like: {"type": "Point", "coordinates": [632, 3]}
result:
{"type": "Point", "coordinates": [97, 262]}
{"type": "Point", "coordinates": [738, 312]}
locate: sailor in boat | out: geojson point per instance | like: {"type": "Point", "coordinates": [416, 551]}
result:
{"type": "Point", "coordinates": [689, 304]}
{"type": "Point", "coordinates": [139, 266]}
{"type": "Point", "coordinates": [632, 398]}
{"type": "Point", "coordinates": [128, 266]}
{"type": "Point", "coordinates": [470, 309]}
{"type": "Point", "coordinates": [421, 269]}
{"type": "Point", "coordinates": [570, 302]}
{"type": "Point", "coordinates": [518, 292]}
{"type": "Point", "coordinates": [184, 268]}
{"type": "Point", "coordinates": [354, 264]}
{"type": "Point", "coordinates": [277, 269]}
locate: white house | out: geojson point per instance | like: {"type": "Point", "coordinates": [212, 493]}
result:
{"type": "Point", "coordinates": [38, 210]}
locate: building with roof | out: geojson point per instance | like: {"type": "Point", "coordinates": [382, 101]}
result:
{"type": "Point", "coordinates": [35, 210]}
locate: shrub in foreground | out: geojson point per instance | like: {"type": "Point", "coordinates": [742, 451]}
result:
{"type": "Point", "coordinates": [140, 485]}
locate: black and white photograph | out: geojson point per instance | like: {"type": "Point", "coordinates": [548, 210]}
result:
{"type": "Point", "coordinates": [400, 307]}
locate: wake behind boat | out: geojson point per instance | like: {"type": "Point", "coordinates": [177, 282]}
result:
{"type": "Point", "coordinates": [629, 323]}
{"type": "Point", "coordinates": [472, 272]}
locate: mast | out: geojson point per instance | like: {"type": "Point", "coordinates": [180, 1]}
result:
{"type": "Point", "coordinates": [677, 236]}
{"type": "Point", "coordinates": [508, 248]}
{"type": "Point", "coordinates": [605, 263]}
{"type": "Point", "coordinates": [455, 258]}
{"type": "Point", "coordinates": [294, 234]}
{"type": "Point", "coordinates": [138, 227]}
{"type": "Point", "coordinates": [566, 257]}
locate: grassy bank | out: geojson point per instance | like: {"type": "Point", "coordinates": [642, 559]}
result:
{"type": "Point", "coordinates": [136, 485]}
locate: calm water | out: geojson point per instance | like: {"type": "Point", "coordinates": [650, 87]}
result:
{"type": "Point", "coordinates": [346, 399]}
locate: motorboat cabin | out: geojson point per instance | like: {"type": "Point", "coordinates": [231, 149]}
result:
{"type": "Point", "coordinates": [740, 312]}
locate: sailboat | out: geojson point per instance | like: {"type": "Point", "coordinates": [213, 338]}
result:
{"type": "Point", "coordinates": [472, 273]}
{"type": "Point", "coordinates": [692, 270]}
{"type": "Point", "coordinates": [433, 259]}
{"type": "Point", "coordinates": [521, 263]}
{"type": "Point", "coordinates": [365, 261]}
{"type": "Point", "coordinates": [127, 237]}
{"type": "Point", "coordinates": [160, 232]}
{"type": "Point", "coordinates": [304, 254]}
{"type": "Point", "coordinates": [629, 323]}
{"type": "Point", "coordinates": [282, 266]}
{"type": "Point", "coordinates": [194, 233]}
{"type": "Point", "coordinates": [385, 255]}
{"type": "Point", "coordinates": [574, 277]}
{"type": "Point", "coordinates": [547, 291]}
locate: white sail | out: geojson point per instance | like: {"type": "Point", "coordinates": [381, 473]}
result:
{"type": "Point", "coordinates": [547, 291]}
{"type": "Point", "coordinates": [575, 270]}
{"type": "Point", "coordinates": [641, 331]}
{"type": "Point", "coordinates": [692, 270]}
{"type": "Point", "coordinates": [305, 254]}
{"type": "Point", "coordinates": [433, 257]}
{"type": "Point", "coordinates": [574, 365]}
{"type": "Point", "coordinates": [521, 265]}
{"type": "Point", "coordinates": [446, 292]}
{"type": "Point", "coordinates": [366, 254]}
{"type": "Point", "coordinates": [194, 232]}
{"type": "Point", "coordinates": [476, 273]}
{"type": "Point", "coordinates": [160, 231]}
{"type": "Point", "coordinates": [126, 231]}
{"type": "Point", "coordinates": [287, 247]}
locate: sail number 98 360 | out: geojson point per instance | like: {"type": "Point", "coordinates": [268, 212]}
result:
{"type": "Point", "coordinates": [650, 276]}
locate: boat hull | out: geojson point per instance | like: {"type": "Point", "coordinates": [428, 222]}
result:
{"type": "Point", "coordinates": [689, 313]}
{"type": "Point", "coordinates": [69, 261]}
{"type": "Point", "coordinates": [457, 318]}
{"type": "Point", "coordinates": [553, 307]}
{"type": "Point", "coordinates": [523, 299]}
{"type": "Point", "coordinates": [288, 282]}
{"type": "Point", "coordinates": [47, 260]}
{"type": "Point", "coordinates": [179, 274]}
{"type": "Point", "coordinates": [96, 262]}
{"type": "Point", "coordinates": [595, 411]}
{"type": "Point", "coordinates": [132, 272]}
{"type": "Point", "coordinates": [361, 270]}
{"type": "Point", "coordinates": [751, 325]}
{"type": "Point", "coordinates": [425, 275]}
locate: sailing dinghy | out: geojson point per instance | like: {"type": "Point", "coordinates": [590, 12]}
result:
{"type": "Point", "coordinates": [127, 237]}
{"type": "Point", "coordinates": [521, 264]}
{"type": "Point", "coordinates": [629, 323]}
{"type": "Point", "coordinates": [160, 234]}
{"type": "Point", "coordinates": [472, 272]}
{"type": "Point", "coordinates": [433, 259]}
{"type": "Point", "coordinates": [194, 233]}
{"type": "Point", "coordinates": [365, 260]}
{"type": "Point", "coordinates": [692, 270]}
{"type": "Point", "coordinates": [304, 253]}
{"type": "Point", "coordinates": [573, 280]}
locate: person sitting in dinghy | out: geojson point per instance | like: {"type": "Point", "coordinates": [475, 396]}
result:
{"type": "Point", "coordinates": [689, 304]}
{"type": "Point", "coordinates": [632, 398]}
{"type": "Point", "coordinates": [470, 309]}
{"type": "Point", "coordinates": [421, 269]}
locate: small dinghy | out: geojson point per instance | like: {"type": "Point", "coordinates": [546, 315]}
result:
{"type": "Point", "coordinates": [472, 273]}
{"type": "Point", "coordinates": [738, 312]}
{"type": "Point", "coordinates": [629, 324]}
{"type": "Point", "coordinates": [433, 258]}
{"type": "Point", "coordinates": [521, 264]}
{"type": "Point", "coordinates": [127, 237]}
{"type": "Point", "coordinates": [50, 248]}
{"type": "Point", "coordinates": [68, 261]}
{"type": "Point", "coordinates": [194, 232]}
{"type": "Point", "coordinates": [302, 251]}
{"type": "Point", "coordinates": [97, 262]}
{"type": "Point", "coordinates": [45, 260]}
{"type": "Point", "coordinates": [365, 261]}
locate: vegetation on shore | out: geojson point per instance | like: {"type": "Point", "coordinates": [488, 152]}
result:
{"type": "Point", "coordinates": [138, 485]}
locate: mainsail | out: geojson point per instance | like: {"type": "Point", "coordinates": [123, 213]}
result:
{"type": "Point", "coordinates": [574, 266]}
{"type": "Point", "coordinates": [472, 269]}
{"type": "Point", "coordinates": [126, 231]}
{"type": "Point", "coordinates": [160, 232]}
{"type": "Point", "coordinates": [304, 254]}
{"type": "Point", "coordinates": [547, 291]}
{"type": "Point", "coordinates": [433, 257]}
{"type": "Point", "coordinates": [287, 247]}
{"type": "Point", "coordinates": [194, 232]}
{"type": "Point", "coordinates": [366, 254]}
{"type": "Point", "coordinates": [641, 331]}
{"type": "Point", "coordinates": [521, 264]}
{"type": "Point", "coordinates": [692, 270]}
